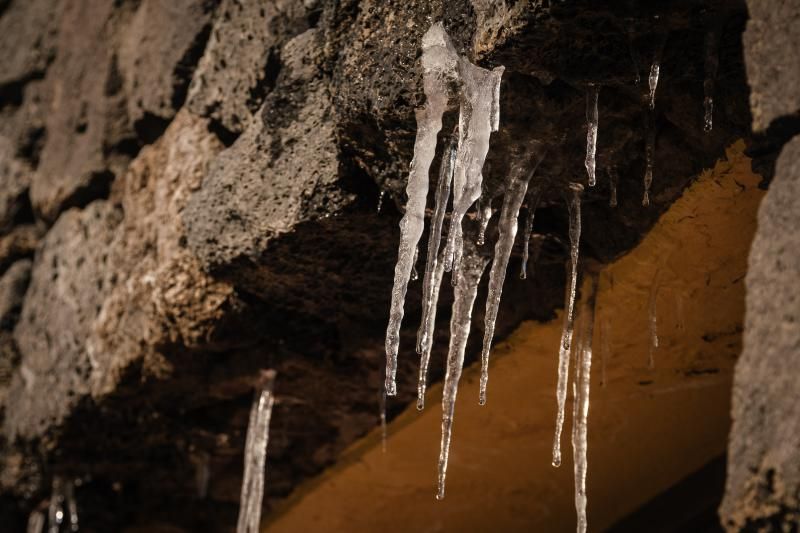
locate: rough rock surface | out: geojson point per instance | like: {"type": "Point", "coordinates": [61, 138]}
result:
{"type": "Point", "coordinates": [198, 182]}
{"type": "Point", "coordinates": [763, 485]}
{"type": "Point", "coordinates": [772, 72]}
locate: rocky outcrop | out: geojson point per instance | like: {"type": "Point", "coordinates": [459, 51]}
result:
{"type": "Point", "coordinates": [196, 182]}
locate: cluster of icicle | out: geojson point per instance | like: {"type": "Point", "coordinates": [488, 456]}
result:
{"type": "Point", "coordinates": [62, 513]}
{"type": "Point", "coordinates": [255, 456]}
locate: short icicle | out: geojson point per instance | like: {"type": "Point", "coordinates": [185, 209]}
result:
{"type": "Point", "coordinates": [566, 335]}
{"type": "Point", "coordinates": [655, 68]}
{"type": "Point", "coordinates": [479, 117]}
{"type": "Point", "coordinates": [439, 60]}
{"type": "Point", "coordinates": [521, 172]}
{"type": "Point", "coordinates": [472, 269]}
{"type": "Point", "coordinates": [533, 203]}
{"type": "Point", "coordinates": [592, 121]}
{"type": "Point", "coordinates": [580, 413]}
{"type": "Point", "coordinates": [434, 271]}
{"type": "Point", "coordinates": [55, 512]}
{"type": "Point", "coordinates": [485, 213]}
{"type": "Point", "coordinates": [711, 65]}
{"type": "Point", "coordinates": [72, 507]}
{"type": "Point", "coordinates": [255, 455]}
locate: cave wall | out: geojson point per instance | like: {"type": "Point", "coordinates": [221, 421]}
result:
{"type": "Point", "coordinates": [188, 195]}
{"type": "Point", "coordinates": [763, 484]}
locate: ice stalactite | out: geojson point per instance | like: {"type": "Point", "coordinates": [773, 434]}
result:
{"type": "Point", "coordinates": [520, 175]}
{"type": "Point", "coordinates": [202, 474]}
{"type": "Point", "coordinates": [380, 200]}
{"type": "Point", "coordinates": [36, 522]}
{"type": "Point", "coordinates": [478, 118]}
{"type": "Point", "coordinates": [592, 122]}
{"type": "Point", "coordinates": [485, 213]}
{"type": "Point", "coordinates": [533, 203]}
{"type": "Point", "coordinates": [414, 273]}
{"type": "Point", "coordinates": [72, 507]}
{"type": "Point", "coordinates": [439, 60]}
{"type": "Point", "coordinates": [566, 335]}
{"type": "Point", "coordinates": [580, 412]}
{"type": "Point", "coordinates": [652, 319]}
{"type": "Point", "coordinates": [55, 512]}
{"type": "Point", "coordinates": [472, 267]}
{"type": "Point", "coordinates": [434, 270]}
{"type": "Point", "coordinates": [655, 69]}
{"type": "Point", "coordinates": [255, 456]}
{"type": "Point", "coordinates": [613, 178]}
{"type": "Point", "coordinates": [569, 319]}
{"type": "Point", "coordinates": [710, 67]}
{"type": "Point", "coordinates": [650, 149]}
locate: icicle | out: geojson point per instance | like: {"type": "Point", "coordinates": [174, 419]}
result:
{"type": "Point", "coordinates": [650, 148]}
{"type": "Point", "coordinates": [414, 273]}
{"type": "Point", "coordinates": [652, 316]}
{"type": "Point", "coordinates": [711, 66]}
{"type": "Point", "coordinates": [613, 177]}
{"type": "Point", "coordinates": [592, 121]}
{"type": "Point", "coordinates": [507, 232]}
{"type": "Point", "coordinates": [35, 522]}
{"type": "Point", "coordinates": [652, 80]}
{"type": "Point", "coordinates": [202, 473]}
{"type": "Point", "coordinates": [533, 203]}
{"type": "Point", "coordinates": [434, 270]}
{"type": "Point", "coordinates": [566, 335]}
{"type": "Point", "coordinates": [255, 456]}
{"type": "Point", "coordinates": [485, 216]}
{"type": "Point", "coordinates": [55, 513]}
{"type": "Point", "coordinates": [72, 507]}
{"type": "Point", "coordinates": [655, 68]}
{"type": "Point", "coordinates": [460, 322]}
{"type": "Point", "coordinates": [580, 413]}
{"type": "Point", "coordinates": [380, 199]}
{"type": "Point", "coordinates": [478, 118]}
{"type": "Point", "coordinates": [439, 60]}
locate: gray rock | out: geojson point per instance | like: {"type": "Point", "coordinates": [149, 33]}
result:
{"type": "Point", "coordinates": [159, 50]}
{"type": "Point", "coordinates": [15, 175]}
{"type": "Point", "coordinates": [278, 174]}
{"type": "Point", "coordinates": [68, 285]}
{"type": "Point", "coordinates": [773, 68]}
{"type": "Point", "coordinates": [763, 484]}
{"type": "Point", "coordinates": [28, 39]}
{"type": "Point", "coordinates": [13, 284]}
{"type": "Point", "coordinates": [86, 120]}
{"type": "Point", "coordinates": [241, 61]}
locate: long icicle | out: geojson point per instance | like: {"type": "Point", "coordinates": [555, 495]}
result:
{"type": "Point", "coordinates": [566, 335]}
{"type": "Point", "coordinates": [473, 265]}
{"type": "Point", "coordinates": [580, 413]}
{"type": "Point", "coordinates": [485, 213]}
{"type": "Point", "coordinates": [434, 271]}
{"type": "Point", "coordinates": [255, 456]}
{"type": "Point", "coordinates": [55, 512]}
{"type": "Point", "coordinates": [592, 122]}
{"type": "Point", "coordinates": [438, 60]}
{"type": "Point", "coordinates": [36, 522]}
{"type": "Point", "coordinates": [519, 177]}
{"type": "Point", "coordinates": [479, 117]}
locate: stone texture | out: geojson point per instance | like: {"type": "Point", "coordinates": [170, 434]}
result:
{"type": "Point", "coordinates": [763, 485]}
{"type": "Point", "coordinates": [15, 175]}
{"type": "Point", "coordinates": [242, 59]}
{"type": "Point", "coordinates": [157, 56]}
{"type": "Point", "coordinates": [773, 73]}
{"type": "Point", "coordinates": [13, 284]}
{"type": "Point", "coordinates": [20, 242]}
{"type": "Point", "coordinates": [88, 134]}
{"type": "Point", "coordinates": [28, 40]}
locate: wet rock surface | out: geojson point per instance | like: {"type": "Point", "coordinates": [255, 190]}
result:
{"type": "Point", "coordinates": [196, 183]}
